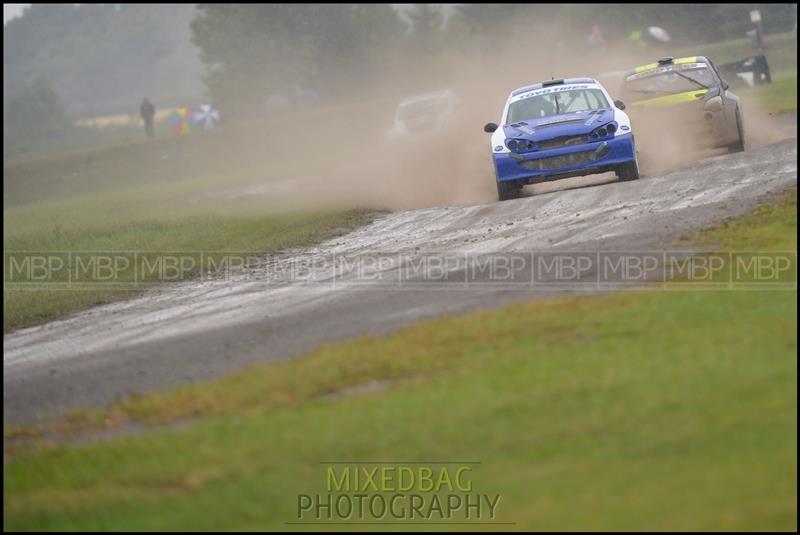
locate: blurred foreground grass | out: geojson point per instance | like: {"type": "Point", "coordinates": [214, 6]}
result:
{"type": "Point", "coordinates": [650, 410]}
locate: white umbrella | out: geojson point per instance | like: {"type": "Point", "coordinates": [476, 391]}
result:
{"type": "Point", "coordinates": [659, 34]}
{"type": "Point", "coordinates": [206, 116]}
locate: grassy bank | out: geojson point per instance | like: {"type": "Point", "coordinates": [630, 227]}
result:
{"type": "Point", "coordinates": [241, 188]}
{"type": "Point", "coordinates": [778, 97]}
{"type": "Point", "coordinates": [245, 152]}
{"type": "Point", "coordinates": [167, 218]}
{"type": "Point", "coordinates": [24, 307]}
{"type": "Point", "coordinates": [780, 49]}
{"type": "Point", "coordinates": [662, 409]}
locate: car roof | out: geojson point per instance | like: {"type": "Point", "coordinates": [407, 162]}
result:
{"type": "Point", "coordinates": [673, 61]}
{"type": "Point", "coordinates": [567, 81]}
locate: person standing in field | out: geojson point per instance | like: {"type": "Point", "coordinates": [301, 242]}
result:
{"type": "Point", "coordinates": [148, 113]}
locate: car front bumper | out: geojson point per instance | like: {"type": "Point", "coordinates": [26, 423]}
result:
{"type": "Point", "coordinates": [577, 160]}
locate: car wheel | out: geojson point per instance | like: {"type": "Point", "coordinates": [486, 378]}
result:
{"type": "Point", "coordinates": [629, 171]}
{"type": "Point", "coordinates": [739, 145]}
{"type": "Point", "coordinates": [507, 190]}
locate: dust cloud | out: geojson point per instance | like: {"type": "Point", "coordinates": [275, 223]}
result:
{"type": "Point", "coordinates": [341, 155]}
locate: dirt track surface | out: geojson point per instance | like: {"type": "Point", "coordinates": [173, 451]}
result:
{"type": "Point", "coordinates": [198, 330]}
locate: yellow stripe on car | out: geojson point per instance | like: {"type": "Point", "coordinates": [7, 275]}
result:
{"type": "Point", "coordinates": [669, 100]}
{"type": "Point", "coordinates": [643, 68]}
{"type": "Point", "coordinates": [652, 66]}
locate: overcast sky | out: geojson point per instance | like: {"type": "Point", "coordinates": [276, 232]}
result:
{"type": "Point", "coordinates": [12, 10]}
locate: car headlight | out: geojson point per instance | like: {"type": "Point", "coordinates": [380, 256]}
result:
{"type": "Point", "coordinates": [519, 145]}
{"type": "Point", "coordinates": [603, 132]}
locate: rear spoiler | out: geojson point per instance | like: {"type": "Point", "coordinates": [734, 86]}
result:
{"type": "Point", "coordinates": [753, 70]}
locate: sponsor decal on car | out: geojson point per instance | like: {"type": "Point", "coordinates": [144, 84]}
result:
{"type": "Point", "coordinates": [555, 89]}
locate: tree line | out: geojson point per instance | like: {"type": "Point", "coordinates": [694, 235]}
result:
{"type": "Point", "coordinates": [64, 61]}
{"type": "Point", "coordinates": [251, 51]}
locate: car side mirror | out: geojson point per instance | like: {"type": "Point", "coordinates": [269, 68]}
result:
{"type": "Point", "coordinates": [490, 127]}
{"type": "Point", "coordinates": [619, 104]}
{"type": "Point", "coordinates": [725, 85]}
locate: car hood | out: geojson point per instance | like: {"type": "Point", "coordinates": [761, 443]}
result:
{"type": "Point", "coordinates": [568, 124]}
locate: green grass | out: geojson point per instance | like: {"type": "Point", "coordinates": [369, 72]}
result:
{"type": "Point", "coordinates": [233, 154]}
{"type": "Point", "coordinates": [778, 97]}
{"type": "Point", "coordinates": [647, 410]}
{"type": "Point", "coordinates": [172, 194]}
{"type": "Point", "coordinates": [74, 139]}
{"type": "Point", "coordinates": [770, 227]}
{"type": "Point", "coordinates": [780, 49]}
{"type": "Point", "coordinates": [24, 306]}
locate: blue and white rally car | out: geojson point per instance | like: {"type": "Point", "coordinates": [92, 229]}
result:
{"type": "Point", "coordinates": [559, 129]}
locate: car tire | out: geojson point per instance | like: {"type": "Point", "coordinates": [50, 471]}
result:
{"type": "Point", "coordinates": [507, 190]}
{"type": "Point", "coordinates": [739, 145]}
{"type": "Point", "coordinates": [629, 171]}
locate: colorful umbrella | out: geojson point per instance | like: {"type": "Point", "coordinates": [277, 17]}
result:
{"type": "Point", "coordinates": [206, 117]}
{"type": "Point", "coordinates": [179, 121]}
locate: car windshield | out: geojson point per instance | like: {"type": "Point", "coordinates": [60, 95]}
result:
{"type": "Point", "coordinates": [556, 103]}
{"type": "Point", "coordinates": [667, 83]}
